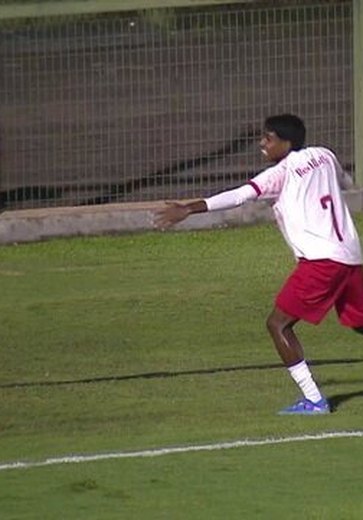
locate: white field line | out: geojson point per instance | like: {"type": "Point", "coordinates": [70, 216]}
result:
{"type": "Point", "coordinates": [158, 452]}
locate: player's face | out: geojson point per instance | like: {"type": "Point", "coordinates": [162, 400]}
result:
{"type": "Point", "coordinates": [273, 148]}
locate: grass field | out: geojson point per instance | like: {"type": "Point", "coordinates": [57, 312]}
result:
{"type": "Point", "coordinates": [114, 344]}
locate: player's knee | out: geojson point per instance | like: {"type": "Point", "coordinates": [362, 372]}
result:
{"type": "Point", "coordinates": [276, 326]}
{"type": "Point", "coordinates": [359, 330]}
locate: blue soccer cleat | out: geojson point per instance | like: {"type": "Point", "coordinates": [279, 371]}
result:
{"type": "Point", "coordinates": [306, 407]}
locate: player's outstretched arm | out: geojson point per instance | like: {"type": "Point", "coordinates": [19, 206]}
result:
{"type": "Point", "coordinates": [175, 212]}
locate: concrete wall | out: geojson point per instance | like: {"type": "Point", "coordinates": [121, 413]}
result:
{"type": "Point", "coordinates": [42, 224]}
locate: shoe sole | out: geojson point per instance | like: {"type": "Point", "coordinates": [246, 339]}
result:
{"type": "Point", "coordinates": [305, 412]}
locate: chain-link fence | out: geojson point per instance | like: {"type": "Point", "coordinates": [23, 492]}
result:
{"type": "Point", "coordinates": [165, 103]}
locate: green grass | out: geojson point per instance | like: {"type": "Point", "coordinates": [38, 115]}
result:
{"type": "Point", "coordinates": [290, 482]}
{"type": "Point", "coordinates": [190, 305]}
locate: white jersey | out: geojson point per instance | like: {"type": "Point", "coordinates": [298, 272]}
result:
{"type": "Point", "coordinates": [309, 206]}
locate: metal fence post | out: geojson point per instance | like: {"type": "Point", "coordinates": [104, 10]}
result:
{"type": "Point", "coordinates": [358, 89]}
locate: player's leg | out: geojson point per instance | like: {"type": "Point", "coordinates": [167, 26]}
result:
{"type": "Point", "coordinates": [307, 295]}
{"type": "Point", "coordinates": [280, 326]}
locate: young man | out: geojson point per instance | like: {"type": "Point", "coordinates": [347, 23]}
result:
{"type": "Point", "coordinates": [314, 219]}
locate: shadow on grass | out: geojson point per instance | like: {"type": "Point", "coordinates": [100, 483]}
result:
{"type": "Point", "coordinates": [336, 400]}
{"type": "Point", "coordinates": [170, 374]}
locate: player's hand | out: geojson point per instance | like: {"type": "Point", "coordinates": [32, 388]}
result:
{"type": "Point", "coordinates": [170, 215]}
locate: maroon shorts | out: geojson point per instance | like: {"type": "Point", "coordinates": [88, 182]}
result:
{"type": "Point", "coordinates": [315, 286]}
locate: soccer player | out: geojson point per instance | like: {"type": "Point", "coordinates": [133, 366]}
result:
{"type": "Point", "coordinates": [306, 184]}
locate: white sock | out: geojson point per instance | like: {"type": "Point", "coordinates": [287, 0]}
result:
{"type": "Point", "coordinates": [304, 379]}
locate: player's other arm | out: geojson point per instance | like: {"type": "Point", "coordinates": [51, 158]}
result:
{"type": "Point", "coordinates": [175, 212]}
{"type": "Point", "coordinates": [345, 180]}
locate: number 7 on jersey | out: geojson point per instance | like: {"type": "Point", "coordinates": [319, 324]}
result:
{"type": "Point", "coordinates": [326, 203]}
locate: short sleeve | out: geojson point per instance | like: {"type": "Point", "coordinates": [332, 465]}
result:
{"type": "Point", "coordinates": [270, 181]}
